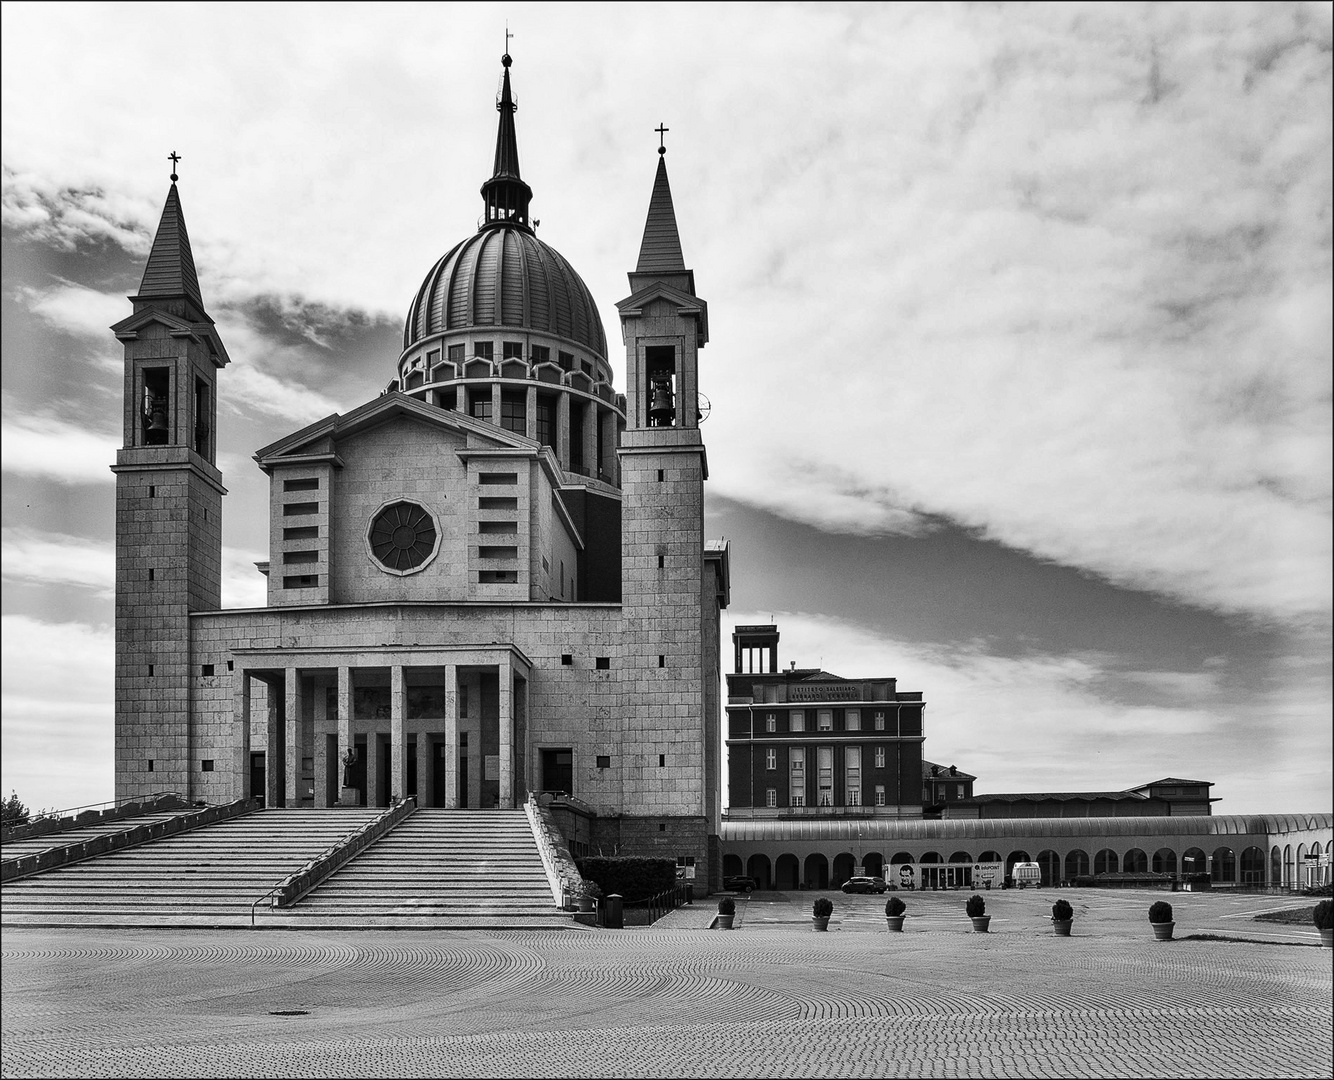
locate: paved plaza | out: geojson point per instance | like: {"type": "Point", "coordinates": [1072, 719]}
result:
{"type": "Point", "coordinates": [770, 998]}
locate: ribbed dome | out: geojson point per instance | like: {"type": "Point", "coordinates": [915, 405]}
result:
{"type": "Point", "coordinates": [505, 276]}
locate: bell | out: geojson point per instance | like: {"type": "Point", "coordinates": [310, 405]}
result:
{"type": "Point", "coordinates": [661, 410]}
{"type": "Point", "coordinates": [157, 417]}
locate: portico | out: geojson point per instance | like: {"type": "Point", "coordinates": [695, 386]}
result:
{"type": "Point", "coordinates": [446, 723]}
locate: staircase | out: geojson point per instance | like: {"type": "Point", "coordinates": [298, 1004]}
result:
{"type": "Point", "coordinates": [208, 877]}
{"type": "Point", "coordinates": [444, 869]}
{"type": "Point", "coordinates": [31, 845]}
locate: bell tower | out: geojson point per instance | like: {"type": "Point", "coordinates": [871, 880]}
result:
{"type": "Point", "coordinates": [666, 608]}
{"type": "Point", "coordinates": [168, 511]}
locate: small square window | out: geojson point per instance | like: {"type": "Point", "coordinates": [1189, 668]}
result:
{"type": "Point", "coordinates": [662, 660]}
{"type": "Point", "coordinates": [602, 663]}
{"type": "Point", "coordinates": [604, 761]}
{"type": "Point", "coordinates": [567, 658]}
{"type": "Point", "coordinates": [662, 761]}
{"type": "Point", "coordinates": [662, 827]}
{"type": "Point", "coordinates": [661, 562]}
{"type": "Point", "coordinates": [231, 666]}
{"type": "Point", "coordinates": [152, 494]}
{"type": "Point", "coordinates": [151, 574]}
{"type": "Point", "coordinates": [206, 765]}
{"type": "Point", "coordinates": [150, 671]}
{"type": "Point", "coordinates": [150, 764]}
{"type": "Point", "coordinates": [206, 669]}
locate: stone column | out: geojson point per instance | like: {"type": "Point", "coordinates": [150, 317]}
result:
{"type": "Point", "coordinates": [562, 446]}
{"type": "Point", "coordinates": [372, 768]}
{"type": "Point", "coordinates": [506, 735]}
{"type": "Point", "coordinates": [293, 748]}
{"type": "Point", "coordinates": [398, 742]}
{"type": "Point", "coordinates": [320, 751]}
{"type": "Point", "coordinates": [346, 796]}
{"type": "Point", "coordinates": [451, 736]}
{"type": "Point", "coordinates": [274, 765]}
{"type": "Point", "coordinates": [529, 412]}
{"type": "Point", "coordinates": [241, 722]}
{"type": "Point", "coordinates": [590, 430]}
{"type": "Point", "coordinates": [425, 769]}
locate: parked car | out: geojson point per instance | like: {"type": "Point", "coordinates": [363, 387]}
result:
{"type": "Point", "coordinates": [865, 884]}
{"type": "Point", "coordinates": [740, 883]}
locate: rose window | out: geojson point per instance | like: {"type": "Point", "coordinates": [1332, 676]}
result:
{"type": "Point", "coordinates": [402, 537]}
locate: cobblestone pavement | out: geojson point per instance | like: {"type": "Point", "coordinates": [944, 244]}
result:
{"type": "Point", "coordinates": [771, 998]}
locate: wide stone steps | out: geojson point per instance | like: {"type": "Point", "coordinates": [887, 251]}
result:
{"type": "Point", "coordinates": [14, 849]}
{"type": "Point", "coordinates": [445, 869]}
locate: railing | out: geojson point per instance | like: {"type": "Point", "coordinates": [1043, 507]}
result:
{"type": "Point", "coordinates": [54, 821]}
{"type": "Point", "coordinates": [53, 857]}
{"type": "Point", "coordinates": [546, 847]}
{"type": "Point", "coordinates": [296, 884]}
{"type": "Point", "coordinates": [680, 894]}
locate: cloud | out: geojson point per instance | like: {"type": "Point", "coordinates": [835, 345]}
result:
{"type": "Point", "coordinates": [45, 558]}
{"type": "Point", "coordinates": [42, 444]}
{"type": "Point", "coordinates": [80, 311]}
{"type": "Point", "coordinates": [243, 586]}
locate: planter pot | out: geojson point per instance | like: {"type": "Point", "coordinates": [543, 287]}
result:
{"type": "Point", "coordinates": [585, 903]}
{"type": "Point", "coordinates": [725, 921]}
{"type": "Point", "coordinates": [820, 923]}
{"type": "Point", "coordinates": [980, 924]}
{"type": "Point", "coordinates": [1162, 931]}
{"type": "Point", "coordinates": [895, 923]}
{"type": "Point", "coordinates": [1327, 938]}
{"type": "Point", "coordinates": [1062, 927]}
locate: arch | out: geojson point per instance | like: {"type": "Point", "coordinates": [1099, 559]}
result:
{"type": "Point", "coordinates": [1193, 861]}
{"type": "Point", "coordinates": [1105, 862]}
{"type": "Point", "coordinates": [1288, 876]}
{"type": "Point", "coordinates": [1303, 879]}
{"type": "Point", "coordinates": [757, 866]}
{"type": "Point", "coordinates": [844, 864]}
{"type": "Point", "coordinates": [1076, 864]}
{"type": "Point", "coordinates": [1165, 861]}
{"type": "Point", "coordinates": [990, 856]}
{"type": "Point", "coordinates": [1225, 865]}
{"type": "Point", "coordinates": [787, 872]}
{"type": "Point", "coordinates": [874, 865]}
{"type": "Point", "coordinates": [1135, 862]}
{"type": "Point", "coordinates": [1253, 866]}
{"type": "Point", "coordinates": [732, 865]}
{"type": "Point", "coordinates": [1275, 866]}
{"type": "Point", "coordinates": [900, 857]}
{"type": "Point", "coordinates": [930, 875]}
{"type": "Point", "coordinates": [817, 872]}
{"type": "Point", "coordinates": [1050, 862]}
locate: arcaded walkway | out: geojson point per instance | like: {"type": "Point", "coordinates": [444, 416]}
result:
{"type": "Point", "coordinates": [769, 999]}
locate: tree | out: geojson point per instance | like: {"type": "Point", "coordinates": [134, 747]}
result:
{"type": "Point", "coordinates": [12, 811]}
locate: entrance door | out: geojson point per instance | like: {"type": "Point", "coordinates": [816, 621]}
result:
{"type": "Point", "coordinates": [558, 771]}
{"type": "Point", "coordinates": [257, 775]}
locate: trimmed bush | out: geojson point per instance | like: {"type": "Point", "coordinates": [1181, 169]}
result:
{"type": "Point", "coordinates": [976, 907]}
{"type": "Point", "coordinates": [895, 907]}
{"type": "Point", "coordinates": [1323, 915]}
{"type": "Point", "coordinates": [590, 889]}
{"type": "Point", "coordinates": [726, 906]}
{"type": "Point", "coordinates": [1061, 910]}
{"type": "Point", "coordinates": [822, 908]}
{"type": "Point", "coordinates": [634, 877]}
{"type": "Point", "coordinates": [1161, 911]}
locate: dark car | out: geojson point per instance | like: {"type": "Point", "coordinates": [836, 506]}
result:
{"type": "Point", "coordinates": [865, 884]}
{"type": "Point", "coordinates": [740, 883]}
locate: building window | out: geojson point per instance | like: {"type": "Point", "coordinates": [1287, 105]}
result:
{"type": "Point", "coordinates": [771, 722]}
{"type": "Point", "coordinates": [880, 721]}
{"type": "Point", "coordinates": [852, 775]}
{"type": "Point", "coordinates": [498, 478]}
{"type": "Point", "coordinates": [771, 797]}
{"type": "Point", "coordinates": [541, 354]}
{"type": "Point", "coordinates": [825, 719]}
{"type": "Point", "coordinates": [150, 764]}
{"type": "Point", "coordinates": [206, 669]}
{"type": "Point", "coordinates": [300, 509]}
{"type": "Point", "coordinates": [880, 794]}
{"type": "Point", "coordinates": [853, 719]}
{"type": "Point", "coordinates": [771, 759]}
{"type": "Point", "coordinates": [797, 720]}
{"type": "Point", "coordinates": [602, 663]}
{"type": "Point", "coordinates": [514, 412]}
{"type": "Point", "coordinates": [484, 349]}
{"type": "Point", "coordinates": [662, 761]}
{"type": "Point", "coordinates": [566, 360]}
{"type": "Point", "coordinates": [960, 792]}
{"type": "Point", "coordinates": [825, 776]}
{"type": "Point", "coordinates": [511, 350]}
{"type": "Point", "coordinates": [546, 422]}
{"type": "Point", "coordinates": [206, 765]}
{"type": "Point", "coordinates": [567, 658]}
{"type": "Point", "coordinates": [604, 761]}
{"type": "Point", "coordinates": [797, 776]}
{"type": "Point", "coordinates": [879, 757]}
{"type": "Point", "coordinates": [402, 537]}
{"type": "Point", "coordinates": [479, 405]}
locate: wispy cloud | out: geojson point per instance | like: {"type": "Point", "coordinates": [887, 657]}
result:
{"type": "Point", "coordinates": [44, 558]}
{"type": "Point", "coordinates": [46, 445]}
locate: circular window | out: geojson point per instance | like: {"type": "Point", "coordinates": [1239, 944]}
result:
{"type": "Point", "coordinates": [402, 537]}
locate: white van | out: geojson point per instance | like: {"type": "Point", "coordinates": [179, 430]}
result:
{"type": "Point", "coordinates": [1026, 873]}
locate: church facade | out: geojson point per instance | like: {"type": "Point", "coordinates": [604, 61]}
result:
{"type": "Point", "coordinates": [490, 580]}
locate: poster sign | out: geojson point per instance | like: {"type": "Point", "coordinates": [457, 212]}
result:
{"type": "Point", "coordinates": [946, 875]}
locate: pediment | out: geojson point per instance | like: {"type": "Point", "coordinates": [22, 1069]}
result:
{"type": "Point", "coordinates": [129, 328]}
{"type": "Point", "coordinates": [682, 303]}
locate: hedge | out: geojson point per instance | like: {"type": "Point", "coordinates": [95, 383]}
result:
{"type": "Point", "coordinates": [634, 877]}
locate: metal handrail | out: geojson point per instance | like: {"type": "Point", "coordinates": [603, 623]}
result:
{"type": "Point", "coordinates": [42, 815]}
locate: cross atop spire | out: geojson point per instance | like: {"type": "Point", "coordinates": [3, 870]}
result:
{"type": "Point", "coordinates": [662, 146]}
{"type": "Point", "coordinates": [174, 157]}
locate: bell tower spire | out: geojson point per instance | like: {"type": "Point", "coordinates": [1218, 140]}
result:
{"type": "Point", "coordinates": [505, 195]}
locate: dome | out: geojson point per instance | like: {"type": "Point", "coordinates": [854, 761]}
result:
{"type": "Point", "coordinates": [505, 276]}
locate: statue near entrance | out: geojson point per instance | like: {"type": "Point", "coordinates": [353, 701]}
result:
{"type": "Point", "coordinates": [349, 759]}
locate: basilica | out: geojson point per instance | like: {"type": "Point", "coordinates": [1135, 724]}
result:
{"type": "Point", "coordinates": [490, 580]}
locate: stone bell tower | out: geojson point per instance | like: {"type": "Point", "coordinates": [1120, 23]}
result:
{"type": "Point", "coordinates": [168, 512]}
{"type": "Point", "coordinates": [665, 605]}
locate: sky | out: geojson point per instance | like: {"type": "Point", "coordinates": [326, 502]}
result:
{"type": "Point", "coordinates": [1020, 316]}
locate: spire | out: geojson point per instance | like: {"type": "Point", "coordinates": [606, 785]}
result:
{"type": "Point", "coordinates": [660, 251]}
{"type": "Point", "coordinates": [506, 195]}
{"type": "Point", "coordinates": [170, 272]}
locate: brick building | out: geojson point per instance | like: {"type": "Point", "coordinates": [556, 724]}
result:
{"type": "Point", "coordinates": [492, 579]}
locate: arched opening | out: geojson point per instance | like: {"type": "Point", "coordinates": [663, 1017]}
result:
{"type": "Point", "coordinates": [732, 866]}
{"type": "Point", "coordinates": [1253, 866]}
{"type": "Point", "coordinates": [1135, 862]}
{"type": "Point", "coordinates": [787, 872]}
{"type": "Point", "coordinates": [990, 856]}
{"type": "Point", "coordinates": [1275, 866]}
{"type": "Point", "coordinates": [758, 868]}
{"type": "Point", "coordinates": [1076, 865]}
{"type": "Point", "coordinates": [1303, 869]}
{"type": "Point", "coordinates": [1320, 874]}
{"type": "Point", "coordinates": [1225, 865]}
{"type": "Point", "coordinates": [843, 866]}
{"type": "Point", "coordinates": [1050, 862]}
{"type": "Point", "coordinates": [1287, 865]}
{"type": "Point", "coordinates": [1105, 862]}
{"type": "Point", "coordinates": [1165, 861]}
{"type": "Point", "coordinates": [875, 865]}
{"type": "Point", "coordinates": [959, 872]}
{"type": "Point", "coordinates": [817, 872]}
{"type": "Point", "coordinates": [932, 875]}
{"type": "Point", "coordinates": [1193, 864]}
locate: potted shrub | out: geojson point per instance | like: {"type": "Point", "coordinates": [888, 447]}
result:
{"type": "Point", "coordinates": [894, 909]}
{"type": "Point", "coordinates": [726, 912]}
{"type": "Point", "coordinates": [589, 891]}
{"type": "Point", "coordinates": [1323, 916]}
{"type": "Point", "coordinates": [1160, 917]}
{"type": "Point", "coordinates": [1062, 915]}
{"type": "Point", "coordinates": [977, 911]}
{"type": "Point", "coordinates": [820, 912]}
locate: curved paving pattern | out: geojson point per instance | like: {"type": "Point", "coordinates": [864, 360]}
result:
{"type": "Point", "coordinates": [770, 1000]}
